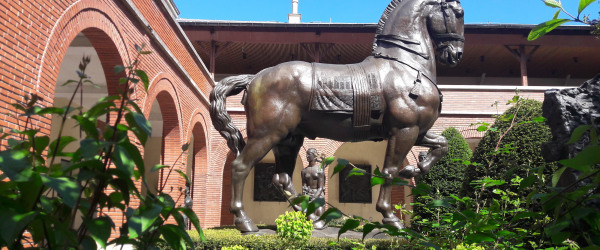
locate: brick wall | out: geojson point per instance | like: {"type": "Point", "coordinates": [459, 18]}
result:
{"type": "Point", "coordinates": [34, 36]}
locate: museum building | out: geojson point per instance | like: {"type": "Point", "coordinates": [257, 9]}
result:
{"type": "Point", "coordinates": [42, 42]}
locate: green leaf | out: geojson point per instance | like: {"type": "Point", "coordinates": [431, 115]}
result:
{"type": "Point", "coordinates": [589, 156]}
{"type": "Point", "coordinates": [556, 176]}
{"type": "Point", "coordinates": [135, 155]}
{"type": "Point", "coordinates": [302, 200]}
{"type": "Point", "coordinates": [479, 237]}
{"type": "Point", "coordinates": [175, 236]}
{"type": "Point", "coordinates": [367, 228]}
{"type": "Point", "coordinates": [553, 3]}
{"type": "Point", "coordinates": [185, 177]}
{"type": "Point", "coordinates": [118, 69]}
{"type": "Point", "coordinates": [584, 4]}
{"type": "Point", "coordinates": [90, 148]}
{"type": "Point", "coordinates": [100, 229]}
{"type": "Point", "coordinates": [67, 189]}
{"type": "Point", "coordinates": [578, 133]}
{"type": "Point", "coordinates": [482, 128]}
{"type": "Point", "coordinates": [340, 166]}
{"type": "Point", "coordinates": [144, 77]}
{"type": "Point", "coordinates": [195, 221]}
{"type": "Point", "coordinates": [158, 167]}
{"type": "Point", "coordinates": [545, 27]}
{"type": "Point", "coordinates": [13, 163]}
{"type": "Point", "coordinates": [523, 215]}
{"type": "Point", "coordinates": [143, 123]}
{"type": "Point", "coordinates": [123, 160]}
{"type": "Point", "coordinates": [377, 181]}
{"type": "Point", "coordinates": [349, 225]}
{"type": "Point", "coordinates": [556, 14]}
{"type": "Point", "coordinates": [149, 216]}
{"type": "Point", "coordinates": [539, 119]}
{"type": "Point", "coordinates": [331, 214]}
{"type": "Point", "coordinates": [313, 205]}
{"type": "Point", "coordinates": [13, 223]}
{"type": "Point", "coordinates": [527, 182]}
{"type": "Point", "coordinates": [557, 227]}
{"type": "Point", "coordinates": [64, 141]}
{"type": "Point", "coordinates": [329, 160]}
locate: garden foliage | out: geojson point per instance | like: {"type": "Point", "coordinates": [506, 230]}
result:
{"type": "Point", "coordinates": [445, 177]}
{"type": "Point", "coordinates": [511, 148]}
{"type": "Point", "coordinates": [54, 204]}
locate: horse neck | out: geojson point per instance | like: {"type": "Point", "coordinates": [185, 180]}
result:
{"type": "Point", "coordinates": [405, 38]}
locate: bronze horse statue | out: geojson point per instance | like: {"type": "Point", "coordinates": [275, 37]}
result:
{"type": "Point", "coordinates": [391, 95]}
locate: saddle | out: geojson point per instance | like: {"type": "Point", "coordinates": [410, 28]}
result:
{"type": "Point", "coordinates": [353, 89]}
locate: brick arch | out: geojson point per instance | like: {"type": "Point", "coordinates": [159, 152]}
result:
{"type": "Point", "coordinates": [164, 92]}
{"type": "Point", "coordinates": [92, 19]}
{"type": "Point", "coordinates": [200, 172]}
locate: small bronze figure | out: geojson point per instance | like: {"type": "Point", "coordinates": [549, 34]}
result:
{"type": "Point", "coordinates": [392, 95]}
{"type": "Point", "coordinates": [313, 185]}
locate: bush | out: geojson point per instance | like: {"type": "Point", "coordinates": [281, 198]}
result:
{"type": "Point", "coordinates": [445, 178]}
{"type": "Point", "coordinates": [219, 238]}
{"type": "Point", "coordinates": [293, 227]}
{"type": "Point", "coordinates": [511, 147]}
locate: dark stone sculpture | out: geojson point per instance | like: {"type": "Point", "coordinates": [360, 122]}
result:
{"type": "Point", "coordinates": [566, 110]}
{"type": "Point", "coordinates": [313, 185]}
{"type": "Point", "coordinates": [391, 95]}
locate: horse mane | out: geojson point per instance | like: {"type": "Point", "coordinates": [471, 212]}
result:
{"type": "Point", "coordinates": [384, 17]}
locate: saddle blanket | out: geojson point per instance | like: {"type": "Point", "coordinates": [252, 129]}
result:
{"type": "Point", "coordinates": [350, 89]}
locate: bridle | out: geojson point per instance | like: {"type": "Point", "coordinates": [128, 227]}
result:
{"type": "Point", "coordinates": [448, 36]}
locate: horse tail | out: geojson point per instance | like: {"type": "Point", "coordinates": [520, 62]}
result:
{"type": "Point", "coordinates": [221, 120]}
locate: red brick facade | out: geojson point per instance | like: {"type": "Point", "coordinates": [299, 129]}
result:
{"type": "Point", "coordinates": [34, 37]}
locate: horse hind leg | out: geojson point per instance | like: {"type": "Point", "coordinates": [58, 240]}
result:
{"type": "Point", "coordinates": [439, 148]}
{"type": "Point", "coordinates": [399, 144]}
{"type": "Point", "coordinates": [256, 148]}
{"type": "Point", "coordinates": [286, 153]}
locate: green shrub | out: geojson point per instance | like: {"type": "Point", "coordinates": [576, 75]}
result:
{"type": "Point", "coordinates": [445, 178]}
{"type": "Point", "coordinates": [219, 238]}
{"type": "Point", "coordinates": [236, 247]}
{"type": "Point", "coordinates": [511, 147]}
{"type": "Point", "coordinates": [293, 227]}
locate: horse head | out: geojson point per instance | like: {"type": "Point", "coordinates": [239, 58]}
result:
{"type": "Point", "coordinates": [407, 26]}
{"type": "Point", "coordinates": [445, 23]}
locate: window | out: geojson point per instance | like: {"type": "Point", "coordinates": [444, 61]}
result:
{"type": "Point", "coordinates": [355, 189]}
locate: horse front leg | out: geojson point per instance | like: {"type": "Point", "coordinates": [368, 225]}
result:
{"type": "Point", "coordinates": [399, 144]}
{"type": "Point", "coordinates": [439, 148]}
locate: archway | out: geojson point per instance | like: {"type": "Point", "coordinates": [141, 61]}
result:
{"type": "Point", "coordinates": [197, 171]}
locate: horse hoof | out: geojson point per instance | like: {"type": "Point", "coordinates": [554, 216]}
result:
{"type": "Point", "coordinates": [319, 225]}
{"type": "Point", "coordinates": [245, 225]}
{"type": "Point", "coordinates": [394, 222]}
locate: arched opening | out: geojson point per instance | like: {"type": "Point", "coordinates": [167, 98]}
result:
{"type": "Point", "coordinates": [85, 97]}
{"type": "Point", "coordinates": [197, 171]}
{"type": "Point", "coordinates": [153, 149]}
{"type": "Point", "coordinates": [226, 216]}
{"type": "Point", "coordinates": [171, 147]}
{"type": "Point", "coordinates": [104, 55]}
